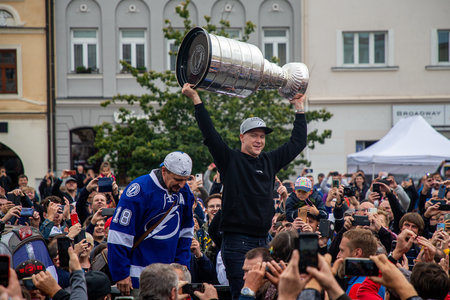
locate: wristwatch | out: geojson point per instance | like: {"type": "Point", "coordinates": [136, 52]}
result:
{"type": "Point", "coordinates": [248, 292]}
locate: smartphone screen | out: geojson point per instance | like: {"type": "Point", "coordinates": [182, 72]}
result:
{"type": "Point", "coordinates": [335, 183]}
{"type": "Point", "coordinates": [441, 193]}
{"type": "Point", "coordinates": [4, 270]}
{"type": "Point", "coordinates": [26, 212]}
{"type": "Point", "coordinates": [190, 288]}
{"type": "Point", "coordinates": [360, 267]}
{"type": "Point", "coordinates": [108, 212]}
{"type": "Point", "coordinates": [308, 247]}
{"type": "Point", "coordinates": [63, 244]}
{"type": "Point", "coordinates": [376, 188]}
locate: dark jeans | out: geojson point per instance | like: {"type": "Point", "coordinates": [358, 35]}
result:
{"type": "Point", "coordinates": [234, 248]}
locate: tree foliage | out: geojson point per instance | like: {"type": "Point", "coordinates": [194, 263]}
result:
{"type": "Point", "coordinates": [138, 144]}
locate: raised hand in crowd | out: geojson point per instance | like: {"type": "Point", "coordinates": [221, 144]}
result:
{"type": "Point", "coordinates": [93, 185]}
{"type": "Point", "coordinates": [405, 240]}
{"type": "Point", "coordinates": [428, 250]}
{"type": "Point", "coordinates": [34, 220]}
{"type": "Point", "coordinates": [17, 193]}
{"type": "Point", "coordinates": [392, 278]}
{"type": "Point", "coordinates": [66, 210]}
{"type": "Point", "coordinates": [274, 271]}
{"type": "Point", "coordinates": [52, 210]}
{"type": "Point", "coordinates": [348, 222]}
{"type": "Point", "coordinates": [281, 190]}
{"type": "Point", "coordinates": [324, 274]}
{"type": "Point", "coordinates": [45, 283]}
{"type": "Point", "coordinates": [74, 230]}
{"type": "Point", "coordinates": [80, 247]}
{"type": "Point", "coordinates": [291, 283]}
{"type": "Point", "coordinates": [97, 216]}
{"type": "Point", "coordinates": [254, 279]}
{"type": "Point", "coordinates": [13, 291]}
{"type": "Point", "coordinates": [13, 211]}
{"type": "Point", "coordinates": [196, 249]}
{"type": "Point", "coordinates": [209, 292]}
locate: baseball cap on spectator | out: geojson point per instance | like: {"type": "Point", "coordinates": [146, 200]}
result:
{"type": "Point", "coordinates": [253, 123]}
{"type": "Point", "coordinates": [71, 178]}
{"type": "Point", "coordinates": [178, 163]}
{"type": "Point", "coordinates": [303, 184]}
{"type": "Point", "coordinates": [29, 267]}
{"type": "Point", "coordinates": [98, 285]}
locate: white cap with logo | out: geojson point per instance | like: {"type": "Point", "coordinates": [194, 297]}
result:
{"type": "Point", "coordinates": [178, 163]}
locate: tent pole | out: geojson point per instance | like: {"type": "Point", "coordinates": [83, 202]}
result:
{"type": "Point", "coordinates": [373, 172]}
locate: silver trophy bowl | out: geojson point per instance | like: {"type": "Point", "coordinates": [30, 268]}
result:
{"type": "Point", "coordinates": [222, 65]}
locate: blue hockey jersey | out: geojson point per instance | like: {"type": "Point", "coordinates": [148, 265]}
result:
{"type": "Point", "coordinates": [142, 204]}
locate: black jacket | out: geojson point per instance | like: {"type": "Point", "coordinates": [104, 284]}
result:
{"type": "Point", "coordinates": [248, 182]}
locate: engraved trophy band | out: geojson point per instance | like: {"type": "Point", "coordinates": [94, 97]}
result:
{"type": "Point", "coordinates": [227, 66]}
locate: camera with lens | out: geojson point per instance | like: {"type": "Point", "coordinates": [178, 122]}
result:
{"type": "Point", "coordinates": [350, 191]}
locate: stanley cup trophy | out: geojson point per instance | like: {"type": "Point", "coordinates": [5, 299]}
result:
{"type": "Point", "coordinates": [234, 68]}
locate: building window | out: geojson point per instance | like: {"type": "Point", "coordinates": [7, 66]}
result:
{"type": "Point", "coordinates": [172, 51]}
{"type": "Point", "coordinates": [84, 51]}
{"type": "Point", "coordinates": [361, 145]}
{"type": "Point", "coordinates": [233, 33]}
{"type": "Point", "coordinates": [365, 48]}
{"type": "Point", "coordinates": [443, 46]}
{"type": "Point", "coordinates": [275, 43]}
{"type": "Point", "coordinates": [132, 48]}
{"type": "Point", "coordinates": [82, 147]}
{"type": "Point", "coordinates": [8, 71]}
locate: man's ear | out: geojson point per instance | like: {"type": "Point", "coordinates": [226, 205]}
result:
{"type": "Point", "coordinates": [357, 252]}
{"type": "Point", "coordinates": [174, 294]}
{"type": "Point", "coordinates": [241, 137]}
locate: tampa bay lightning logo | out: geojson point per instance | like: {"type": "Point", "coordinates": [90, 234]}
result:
{"type": "Point", "coordinates": [133, 190]}
{"type": "Point", "coordinates": [168, 228]}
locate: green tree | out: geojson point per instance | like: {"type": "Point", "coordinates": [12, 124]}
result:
{"type": "Point", "coordinates": [136, 144]}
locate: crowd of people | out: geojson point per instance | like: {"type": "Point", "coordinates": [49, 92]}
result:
{"type": "Point", "coordinates": [234, 232]}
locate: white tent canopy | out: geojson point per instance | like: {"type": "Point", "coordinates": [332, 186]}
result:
{"type": "Point", "coordinates": [412, 146]}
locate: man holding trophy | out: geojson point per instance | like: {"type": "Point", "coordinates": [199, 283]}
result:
{"type": "Point", "coordinates": [230, 67]}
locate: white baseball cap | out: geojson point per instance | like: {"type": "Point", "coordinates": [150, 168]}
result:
{"type": "Point", "coordinates": [178, 163]}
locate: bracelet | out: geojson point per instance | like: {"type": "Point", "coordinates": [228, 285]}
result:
{"type": "Point", "coordinates": [299, 111]}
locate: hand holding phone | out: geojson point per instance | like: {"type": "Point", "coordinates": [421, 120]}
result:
{"type": "Point", "coordinates": [303, 213]}
{"type": "Point", "coordinates": [308, 248]}
{"type": "Point", "coordinates": [63, 245]}
{"type": "Point", "coordinates": [190, 288]}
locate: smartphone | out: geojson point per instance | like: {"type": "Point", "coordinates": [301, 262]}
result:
{"type": "Point", "coordinates": [440, 226]}
{"type": "Point", "coordinates": [26, 212]}
{"type": "Point", "coordinates": [199, 176]}
{"type": "Point", "coordinates": [326, 228]}
{"type": "Point", "coordinates": [63, 244]}
{"type": "Point", "coordinates": [444, 207]}
{"type": "Point", "coordinates": [81, 236]}
{"type": "Point", "coordinates": [440, 202]}
{"type": "Point", "coordinates": [28, 283]}
{"type": "Point", "coordinates": [360, 267]}
{"type": "Point", "coordinates": [108, 212]}
{"type": "Point", "coordinates": [360, 220]}
{"type": "Point", "coordinates": [335, 183]}
{"type": "Point", "coordinates": [74, 218]}
{"type": "Point", "coordinates": [376, 188]}
{"type": "Point", "coordinates": [308, 171]}
{"type": "Point", "coordinates": [441, 193]}
{"type": "Point", "coordinates": [308, 248]}
{"type": "Point", "coordinates": [72, 172]}
{"type": "Point", "coordinates": [190, 288]}
{"type": "Point", "coordinates": [372, 210]}
{"type": "Point", "coordinates": [334, 173]}
{"type": "Point", "coordinates": [5, 263]}
{"type": "Point", "coordinates": [105, 184]}
{"type": "Point", "coordinates": [303, 213]}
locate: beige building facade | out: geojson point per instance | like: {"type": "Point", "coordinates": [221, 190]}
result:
{"type": "Point", "coordinates": [24, 89]}
{"type": "Point", "coordinates": [372, 63]}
